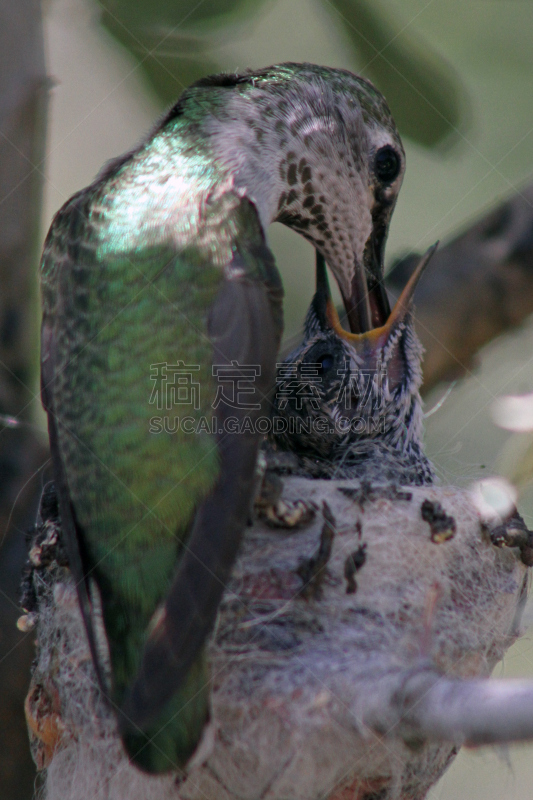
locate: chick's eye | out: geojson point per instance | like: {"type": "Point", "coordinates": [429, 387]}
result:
{"type": "Point", "coordinates": [325, 362]}
{"type": "Point", "coordinates": [387, 164]}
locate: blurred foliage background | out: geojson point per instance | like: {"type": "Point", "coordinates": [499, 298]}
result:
{"type": "Point", "coordinates": [459, 79]}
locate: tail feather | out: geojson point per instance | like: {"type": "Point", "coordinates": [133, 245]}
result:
{"type": "Point", "coordinates": [169, 741]}
{"type": "Point", "coordinates": [169, 738]}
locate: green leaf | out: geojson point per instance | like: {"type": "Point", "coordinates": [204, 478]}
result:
{"type": "Point", "coordinates": [177, 15]}
{"type": "Point", "coordinates": [170, 38]}
{"type": "Point", "coordinates": [423, 92]}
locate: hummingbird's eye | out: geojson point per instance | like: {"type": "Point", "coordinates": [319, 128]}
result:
{"type": "Point", "coordinates": [387, 164]}
{"type": "Point", "coordinates": [325, 362]}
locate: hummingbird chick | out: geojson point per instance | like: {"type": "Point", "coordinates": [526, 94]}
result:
{"type": "Point", "coordinates": [348, 405]}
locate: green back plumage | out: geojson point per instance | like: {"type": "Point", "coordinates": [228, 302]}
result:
{"type": "Point", "coordinates": [130, 270]}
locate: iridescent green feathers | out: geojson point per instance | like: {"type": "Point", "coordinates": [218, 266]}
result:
{"type": "Point", "coordinates": [130, 275]}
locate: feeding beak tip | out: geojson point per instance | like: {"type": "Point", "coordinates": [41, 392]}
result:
{"type": "Point", "coordinates": [328, 316]}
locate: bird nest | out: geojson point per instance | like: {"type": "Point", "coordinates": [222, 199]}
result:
{"type": "Point", "coordinates": [348, 604]}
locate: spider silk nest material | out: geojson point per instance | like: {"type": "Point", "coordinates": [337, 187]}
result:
{"type": "Point", "coordinates": [300, 673]}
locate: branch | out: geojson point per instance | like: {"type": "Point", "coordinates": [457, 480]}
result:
{"type": "Point", "coordinates": [23, 98]}
{"type": "Point", "coordinates": [476, 287]}
{"type": "Point", "coordinates": [470, 712]}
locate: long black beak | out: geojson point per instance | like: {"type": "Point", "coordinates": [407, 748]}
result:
{"type": "Point", "coordinates": [367, 306]}
{"type": "Point", "coordinates": [322, 292]}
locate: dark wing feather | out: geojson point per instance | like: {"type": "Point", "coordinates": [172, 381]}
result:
{"type": "Point", "coordinates": [70, 529]}
{"type": "Point", "coordinates": [244, 327]}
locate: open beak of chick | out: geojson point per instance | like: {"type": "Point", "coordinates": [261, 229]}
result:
{"type": "Point", "coordinates": [371, 314]}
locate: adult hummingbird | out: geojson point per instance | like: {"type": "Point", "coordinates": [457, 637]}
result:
{"type": "Point", "coordinates": [161, 267]}
{"type": "Point", "coordinates": [347, 405]}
